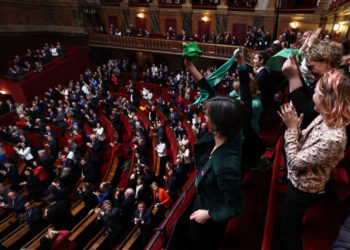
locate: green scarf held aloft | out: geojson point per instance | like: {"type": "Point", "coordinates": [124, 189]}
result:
{"type": "Point", "coordinates": [192, 51]}
{"type": "Point", "coordinates": [276, 61]}
{"type": "Point", "coordinates": [214, 78]}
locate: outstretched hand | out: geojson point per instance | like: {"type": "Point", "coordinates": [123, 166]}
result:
{"type": "Point", "coordinates": [290, 68]}
{"type": "Point", "coordinates": [311, 38]}
{"type": "Point", "coordinates": [289, 116]}
{"type": "Point", "coordinates": [239, 57]}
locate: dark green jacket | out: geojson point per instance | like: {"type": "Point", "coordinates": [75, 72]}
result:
{"type": "Point", "coordinates": [218, 183]}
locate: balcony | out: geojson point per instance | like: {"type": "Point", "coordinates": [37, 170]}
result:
{"type": "Point", "coordinates": [173, 47]}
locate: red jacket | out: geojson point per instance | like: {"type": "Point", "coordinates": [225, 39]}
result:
{"type": "Point", "coordinates": [163, 198]}
{"type": "Point", "coordinates": [62, 241]}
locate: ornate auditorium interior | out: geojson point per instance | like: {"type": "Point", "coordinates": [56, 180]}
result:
{"type": "Point", "coordinates": [100, 112]}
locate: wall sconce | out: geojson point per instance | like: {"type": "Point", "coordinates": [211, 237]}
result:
{"type": "Point", "coordinates": [293, 25]}
{"type": "Point", "coordinates": [336, 27]}
{"type": "Point", "coordinates": [140, 15]}
{"type": "Point", "coordinates": [205, 19]}
{"type": "Point", "coordinates": [3, 92]}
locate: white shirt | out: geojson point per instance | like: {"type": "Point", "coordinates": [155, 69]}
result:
{"type": "Point", "coordinates": [53, 52]}
{"type": "Point", "coordinates": [137, 190]}
{"type": "Point", "coordinates": [161, 149]}
{"type": "Point", "coordinates": [26, 153]}
{"type": "Point", "coordinates": [184, 142]}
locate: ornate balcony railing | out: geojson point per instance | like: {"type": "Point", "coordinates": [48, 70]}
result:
{"type": "Point", "coordinates": [174, 47]}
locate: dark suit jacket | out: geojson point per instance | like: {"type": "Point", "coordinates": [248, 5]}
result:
{"type": "Point", "coordinates": [59, 215]}
{"type": "Point", "coordinates": [12, 175]}
{"type": "Point", "coordinates": [146, 218]}
{"type": "Point", "coordinates": [303, 103]}
{"type": "Point", "coordinates": [18, 204]}
{"type": "Point", "coordinates": [266, 86]}
{"type": "Point", "coordinates": [218, 182]}
{"type": "Point", "coordinates": [34, 217]}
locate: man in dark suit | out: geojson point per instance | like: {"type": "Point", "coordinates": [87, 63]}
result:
{"type": "Point", "coordinates": [34, 217]}
{"type": "Point", "coordinates": [264, 79]}
{"type": "Point", "coordinates": [59, 119]}
{"type": "Point", "coordinates": [143, 217]}
{"type": "Point", "coordinates": [11, 173]}
{"type": "Point", "coordinates": [90, 171]}
{"type": "Point", "coordinates": [53, 146]}
{"type": "Point", "coordinates": [112, 221]}
{"type": "Point", "coordinates": [143, 192]}
{"type": "Point", "coordinates": [96, 146]}
{"type": "Point", "coordinates": [15, 203]}
{"type": "Point", "coordinates": [173, 118]}
{"type": "Point", "coordinates": [46, 161]}
{"type": "Point", "coordinates": [127, 206]}
{"type": "Point", "coordinates": [58, 213]}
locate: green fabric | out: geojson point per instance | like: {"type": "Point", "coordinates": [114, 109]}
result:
{"type": "Point", "coordinates": [192, 51]}
{"type": "Point", "coordinates": [276, 61]}
{"type": "Point", "coordinates": [257, 110]}
{"type": "Point", "coordinates": [218, 182]}
{"type": "Point", "coordinates": [233, 94]}
{"type": "Point", "coordinates": [214, 79]}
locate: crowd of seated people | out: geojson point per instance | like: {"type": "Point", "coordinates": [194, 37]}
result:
{"type": "Point", "coordinates": [34, 61]}
{"type": "Point", "coordinates": [53, 167]}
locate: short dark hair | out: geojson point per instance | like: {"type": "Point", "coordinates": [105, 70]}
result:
{"type": "Point", "coordinates": [263, 55]}
{"type": "Point", "coordinates": [226, 115]}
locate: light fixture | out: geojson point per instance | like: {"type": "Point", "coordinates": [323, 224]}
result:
{"type": "Point", "coordinates": [140, 15]}
{"type": "Point", "coordinates": [3, 92]}
{"type": "Point", "coordinates": [293, 25]}
{"type": "Point", "coordinates": [336, 27]}
{"type": "Point", "coordinates": [205, 19]}
{"type": "Point", "coordinates": [341, 27]}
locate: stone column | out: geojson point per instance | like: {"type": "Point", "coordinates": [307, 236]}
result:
{"type": "Point", "coordinates": [155, 23]}
{"type": "Point", "coordinates": [187, 23]}
{"type": "Point", "coordinates": [221, 24]}
{"type": "Point", "coordinates": [125, 18]}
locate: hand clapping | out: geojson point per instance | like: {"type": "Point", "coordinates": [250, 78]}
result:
{"type": "Point", "coordinates": [289, 116]}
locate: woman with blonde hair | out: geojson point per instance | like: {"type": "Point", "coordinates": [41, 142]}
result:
{"type": "Point", "coordinates": [314, 151]}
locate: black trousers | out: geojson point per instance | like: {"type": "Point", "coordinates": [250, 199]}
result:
{"type": "Point", "coordinates": [296, 204]}
{"type": "Point", "coordinates": [205, 236]}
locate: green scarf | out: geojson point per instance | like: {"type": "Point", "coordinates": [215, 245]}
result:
{"type": "Point", "coordinates": [214, 78]}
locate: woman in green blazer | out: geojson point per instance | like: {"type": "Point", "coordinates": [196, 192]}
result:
{"type": "Point", "coordinates": [217, 157]}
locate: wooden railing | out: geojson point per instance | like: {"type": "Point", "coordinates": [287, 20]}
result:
{"type": "Point", "coordinates": [175, 47]}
